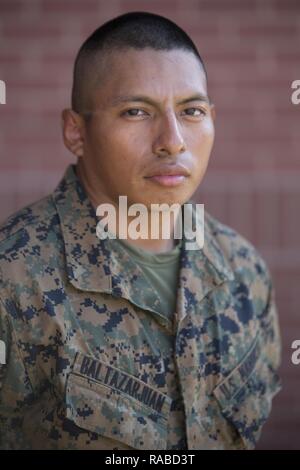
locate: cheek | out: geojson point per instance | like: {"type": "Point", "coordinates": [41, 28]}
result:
{"type": "Point", "coordinates": [130, 147]}
{"type": "Point", "coordinates": [125, 139]}
{"type": "Point", "coordinates": [202, 139]}
{"type": "Point", "coordinates": [207, 129]}
{"type": "Point", "coordinates": [123, 156]}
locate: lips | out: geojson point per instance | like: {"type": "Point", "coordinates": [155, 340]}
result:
{"type": "Point", "coordinates": [170, 170]}
{"type": "Point", "coordinates": [168, 180]}
{"type": "Point", "coordinates": [172, 175]}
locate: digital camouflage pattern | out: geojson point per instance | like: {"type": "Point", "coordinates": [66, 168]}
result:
{"type": "Point", "coordinates": [91, 366]}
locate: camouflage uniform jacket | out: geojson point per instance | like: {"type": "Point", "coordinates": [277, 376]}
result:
{"type": "Point", "coordinates": [90, 365]}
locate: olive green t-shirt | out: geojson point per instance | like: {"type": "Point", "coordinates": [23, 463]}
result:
{"type": "Point", "coordinates": [161, 271]}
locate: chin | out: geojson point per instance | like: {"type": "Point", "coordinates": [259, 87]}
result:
{"type": "Point", "coordinates": [168, 201]}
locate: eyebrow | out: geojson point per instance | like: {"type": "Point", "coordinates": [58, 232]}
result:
{"type": "Point", "coordinates": [145, 99]}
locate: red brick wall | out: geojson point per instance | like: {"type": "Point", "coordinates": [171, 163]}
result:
{"type": "Point", "coordinates": [252, 53]}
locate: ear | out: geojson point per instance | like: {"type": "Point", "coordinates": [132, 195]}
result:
{"type": "Point", "coordinates": [73, 131]}
{"type": "Point", "coordinates": [213, 112]}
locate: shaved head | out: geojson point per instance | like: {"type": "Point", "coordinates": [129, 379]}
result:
{"type": "Point", "coordinates": [137, 30]}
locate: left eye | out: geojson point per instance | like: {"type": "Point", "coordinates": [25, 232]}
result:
{"type": "Point", "coordinates": [194, 112]}
{"type": "Point", "coordinates": [134, 112]}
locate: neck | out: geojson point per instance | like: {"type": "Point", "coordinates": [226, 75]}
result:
{"type": "Point", "coordinates": [154, 245]}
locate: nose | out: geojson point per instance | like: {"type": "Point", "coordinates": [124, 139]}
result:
{"type": "Point", "coordinates": [170, 140]}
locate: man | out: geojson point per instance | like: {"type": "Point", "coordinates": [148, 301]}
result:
{"type": "Point", "coordinates": [137, 343]}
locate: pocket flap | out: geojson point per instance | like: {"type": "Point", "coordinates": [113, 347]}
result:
{"type": "Point", "coordinates": [110, 402]}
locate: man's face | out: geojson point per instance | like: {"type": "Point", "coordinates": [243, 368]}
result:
{"type": "Point", "coordinates": [151, 118]}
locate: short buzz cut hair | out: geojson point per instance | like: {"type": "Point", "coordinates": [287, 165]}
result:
{"type": "Point", "coordinates": [137, 30]}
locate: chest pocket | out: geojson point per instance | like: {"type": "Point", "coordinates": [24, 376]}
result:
{"type": "Point", "coordinates": [123, 410]}
{"type": "Point", "coordinates": [245, 395]}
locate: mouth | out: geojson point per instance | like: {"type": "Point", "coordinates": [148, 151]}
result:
{"type": "Point", "coordinates": [167, 180]}
{"type": "Point", "coordinates": [172, 175]}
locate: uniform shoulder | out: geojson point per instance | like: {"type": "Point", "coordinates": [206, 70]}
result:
{"type": "Point", "coordinates": [238, 250]}
{"type": "Point", "coordinates": [27, 219]}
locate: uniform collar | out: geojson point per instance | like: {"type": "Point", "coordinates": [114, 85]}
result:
{"type": "Point", "coordinates": [103, 266]}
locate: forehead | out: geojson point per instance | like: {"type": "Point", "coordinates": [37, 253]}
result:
{"type": "Point", "coordinates": [156, 73]}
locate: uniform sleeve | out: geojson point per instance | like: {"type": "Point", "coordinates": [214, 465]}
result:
{"type": "Point", "coordinates": [15, 388]}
